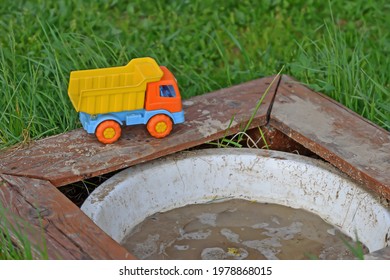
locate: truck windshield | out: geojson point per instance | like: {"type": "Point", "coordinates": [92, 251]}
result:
{"type": "Point", "coordinates": [167, 91]}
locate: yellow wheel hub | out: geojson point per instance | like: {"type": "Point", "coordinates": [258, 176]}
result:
{"type": "Point", "coordinates": [161, 127]}
{"type": "Point", "coordinates": [109, 133]}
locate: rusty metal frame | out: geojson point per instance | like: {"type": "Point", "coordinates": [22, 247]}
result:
{"type": "Point", "coordinates": [293, 117]}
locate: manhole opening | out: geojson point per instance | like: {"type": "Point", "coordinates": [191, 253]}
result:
{"type": "Point", "coordinates": [264, 176]}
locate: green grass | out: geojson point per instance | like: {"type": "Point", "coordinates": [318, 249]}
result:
{"type": "Point", "coordinates": [207, 44]}
{"type": "Point", "coordinates": [356, 248]}
{"type": "Point", "coordinates": [346, 72]}
{"type": "Point", "coordinates": [236, 139]}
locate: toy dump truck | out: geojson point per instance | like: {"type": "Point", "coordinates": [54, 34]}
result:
{"type": "Point", "coordinates": [142, 92]}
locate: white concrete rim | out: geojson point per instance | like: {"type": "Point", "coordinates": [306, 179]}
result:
{"type": "Point", "coordinates": [202, 176]}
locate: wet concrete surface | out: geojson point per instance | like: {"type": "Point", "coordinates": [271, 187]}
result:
{"type": "Point", "coordinates": [237, 229]}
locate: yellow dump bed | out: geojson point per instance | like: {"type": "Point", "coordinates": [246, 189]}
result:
{"type": "Point", "coordinates": [113, 89]}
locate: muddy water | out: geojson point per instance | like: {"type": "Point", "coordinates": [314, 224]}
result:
{"type": "Point", "coordinates": [236, 229]}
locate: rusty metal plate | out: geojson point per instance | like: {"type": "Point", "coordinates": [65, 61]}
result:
{"type": "Point", "coordinates": [36, 208]}
{"type": "Point", "coordinates": [338, 135]}
{"type": "Point", "coordinates": [74, 156]}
